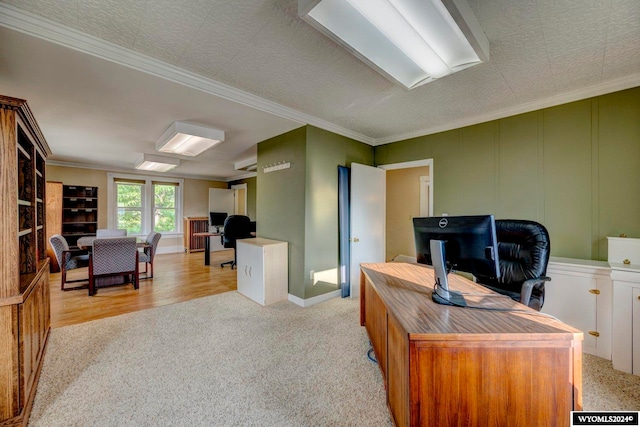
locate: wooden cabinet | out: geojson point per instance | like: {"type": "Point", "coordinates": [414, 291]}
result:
{"type": "Point", "coordinates": [446, 365]}
{"type": "Point", "coordinates": [79, 212]}
{"type": "Point", "coordinates": [263, 270]}
{"type": "Point", "coordinates": [24, 276]}
{"type": "Point", "coordinates": [195, 224]}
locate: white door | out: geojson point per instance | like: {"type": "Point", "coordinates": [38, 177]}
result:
{"type": "Point", "coordinates": [368, 189]}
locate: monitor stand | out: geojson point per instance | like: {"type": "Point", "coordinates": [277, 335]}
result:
{"type": "Point", "coordinates": [441, 293]}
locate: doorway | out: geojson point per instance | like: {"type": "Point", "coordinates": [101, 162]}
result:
{"type": "Point", "coordinates": [240, 199]}
{"type": "Point", "coordinates": [409, 194]}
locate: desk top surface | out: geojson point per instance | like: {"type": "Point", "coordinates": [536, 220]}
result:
{"type": "Point", "coordinates": [406, 291]}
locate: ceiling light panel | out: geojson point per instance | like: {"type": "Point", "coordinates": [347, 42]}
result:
{"type": "Point", "coordinates": [149, 162]}
{"type": "Point", "coordinates": [411, 42]}
{"type": "Point", "coordinates": [187, 139]}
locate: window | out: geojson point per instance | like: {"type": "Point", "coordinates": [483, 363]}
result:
{"type": "Point", "coordinates": [141, 204]}
{"type": "Point", "coordinates": [164, 207]}
{"type": "Point", "coordinates": [129, 196]}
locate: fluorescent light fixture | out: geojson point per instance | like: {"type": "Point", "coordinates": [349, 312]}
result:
{"type": "Point", "coordinates": [411, 42]}
{"type": "Point", "coordinates": [188, 139]}
{"type": "Point", "coordinates": [149, 162]}
{"type": "Point", "coordinates": [250, 164]}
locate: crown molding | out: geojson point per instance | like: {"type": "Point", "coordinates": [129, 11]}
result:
{"type": "Point", "coordinates": [564, 98]}
{"type": "Point", "coordinates": [28, 23]}
{"type": "Point", "coordinates": [138, 172]}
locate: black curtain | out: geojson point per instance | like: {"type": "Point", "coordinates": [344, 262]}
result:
{"type": "Point", "coordinates": [344, 230]}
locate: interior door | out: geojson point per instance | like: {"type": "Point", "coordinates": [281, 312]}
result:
{"type": "Point", "coordinates": [368, 190]}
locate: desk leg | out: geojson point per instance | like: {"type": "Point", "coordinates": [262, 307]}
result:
{"type": "Point", "coordinates": [207, 251]}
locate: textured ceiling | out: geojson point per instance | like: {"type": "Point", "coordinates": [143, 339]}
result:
{"type": "Point", "coordinates": [542, 52]}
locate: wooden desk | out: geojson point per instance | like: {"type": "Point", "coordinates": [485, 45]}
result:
{"type": "Point", "coordinates": [207, 245]}
{"type": "Point", "coordinates": [445, 365]}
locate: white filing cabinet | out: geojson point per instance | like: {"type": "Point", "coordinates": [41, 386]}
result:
{"type": "Point", "coordinates": [263, 270]}
{"type": "Point", "coordinates": [626, 313]}
{"type": "Point", "coordinates": [624, 258]}
{"type": "Point", "coordinates": [579, 294]}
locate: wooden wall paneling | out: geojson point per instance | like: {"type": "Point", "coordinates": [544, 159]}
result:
{"type": "Point", "coordinates": [54, 219]}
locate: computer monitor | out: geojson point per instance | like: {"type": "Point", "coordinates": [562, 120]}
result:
{"type": "Point", "coordinates": [217, 218]}
{"type": "Point", "coordinates": [460, 243]}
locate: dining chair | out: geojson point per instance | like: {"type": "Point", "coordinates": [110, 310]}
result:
{"type": "Point", "coordinates": [68, 261]}
{"type": "Point", "coordinates": [113, 256]}
{"type": "Point", "coordinates": [111, 232]}
{"type": "Point", "coordinates": [149, 253]}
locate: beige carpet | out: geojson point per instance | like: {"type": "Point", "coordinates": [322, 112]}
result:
{"type": "Point", "coordinates": [225, 361]}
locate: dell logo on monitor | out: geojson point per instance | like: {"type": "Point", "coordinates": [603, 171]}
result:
{"type": "Point", "coordinates": [443, 223]}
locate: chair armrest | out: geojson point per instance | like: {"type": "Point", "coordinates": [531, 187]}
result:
{"type": "Point", "coordinates": [527, 288]}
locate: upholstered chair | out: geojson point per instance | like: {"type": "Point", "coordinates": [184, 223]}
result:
{"type": "Point", "coordinates": [235, 227]}
{"type": "Point", "coordinates": [523, 252]}
{"type": "Point", "coordinates": [68, 260]}
{"type": "Point", "coordinates": [113, 256]}
{"type": "Point", "coordinates": [149, 253]}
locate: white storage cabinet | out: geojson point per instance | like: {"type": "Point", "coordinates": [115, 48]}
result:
{"type": "Point", "coordinates": [263, 270]}
{"type": "Point", "coordinates": [580, 294]}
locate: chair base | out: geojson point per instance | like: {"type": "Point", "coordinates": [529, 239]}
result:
{"type": "Point", "coordinates": [231, 263]}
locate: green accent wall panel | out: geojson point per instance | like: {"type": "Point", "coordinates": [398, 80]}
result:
{"type": "Point", "coordinates": [574, 167]}
{"type": "Point", "coordinates": [567, 178]}
{"type": "Point", "coordinates": [281, 199]}
{"type": "Point", "coordinates": [619, 161]}
{"type": "Point", "coordinates": [324, 152]}
{"type": "Point", "coordinates": [476, 170]}
{"type": "Point", "coordinates": [300, 204]}
{"type": "Point", "coordinates": [445, 147]}
{"type": "Point", "coordinates": [518, 149]}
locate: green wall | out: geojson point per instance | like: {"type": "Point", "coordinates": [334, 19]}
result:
{"type": "Point", "coordinates": [300, 204]}
{"type": "Point", "coordinates": [281, 199]}
{"type": "Point", "coordinates": [575, 168]}
{"type": "Point", "coordinates": [325, 151]}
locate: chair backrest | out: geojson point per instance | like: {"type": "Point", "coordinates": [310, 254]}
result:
{"type": "Point", "coordinates": [235, 227]}
{"type": "Point", "coordinates": [114, 255]}
{"type": "Point", "coordinates": [524, 248]}
{"type": "Point", "coordinates": [59, 245]}
{"type": "Point", "coordinates": [152, 239]}
{"type": "Point", "coordinates": [111, 232]}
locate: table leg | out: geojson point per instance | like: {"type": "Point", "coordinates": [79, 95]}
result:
{"type": "Point", "coordinates": [207, 251]}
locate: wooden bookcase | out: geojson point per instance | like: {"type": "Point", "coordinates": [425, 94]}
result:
{"type": "Point", "coordinates": [79, 212]}
{"type": "Point", "coordinates": [24, 275]}
{"type": "Point", "coordinates": [53, 211]}
{"type": "Point", "coordinates": [195, 224]}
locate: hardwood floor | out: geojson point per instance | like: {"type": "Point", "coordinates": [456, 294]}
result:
{"type": "Point", "coordinates": [177, 277]}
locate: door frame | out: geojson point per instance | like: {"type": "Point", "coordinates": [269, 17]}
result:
{"type": "Point", "coordinates": [237, 187]}
{"type": "Point", "coordinates": [415, 164]}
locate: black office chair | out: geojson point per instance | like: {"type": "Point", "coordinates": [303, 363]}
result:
{"type": "Point", "coordinates": [235, 227]}
{"type": "Point", "coordinates": [523, 252]}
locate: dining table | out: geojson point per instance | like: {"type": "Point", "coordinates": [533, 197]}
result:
{"type": "Point", "coordinates": [86, 242]}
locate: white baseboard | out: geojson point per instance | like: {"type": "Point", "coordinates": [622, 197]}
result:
{"type": "Point", "coordinates": [170, 249]}
{"type": "Point", "coordinates": [315, 300]}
